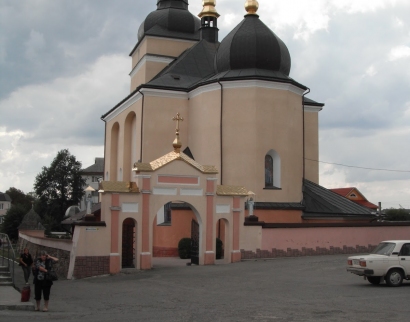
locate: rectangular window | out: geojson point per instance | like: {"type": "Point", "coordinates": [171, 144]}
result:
{"type": "Point", "coordinates": [1, 206]}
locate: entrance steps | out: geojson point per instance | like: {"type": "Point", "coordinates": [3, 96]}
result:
{"type": "Point", "coordinates": [5, 276]}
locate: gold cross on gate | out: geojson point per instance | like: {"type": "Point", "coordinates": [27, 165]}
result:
{"type": "Point", "coordinates": [177, 118]}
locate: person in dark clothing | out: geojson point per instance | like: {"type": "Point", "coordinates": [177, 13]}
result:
{"type": "Point", "coordinates": [26, 261]}
{"type": "Point", "coordinates": [41, 285]}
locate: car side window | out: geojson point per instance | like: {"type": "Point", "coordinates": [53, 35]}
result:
{"type": "Point", "coordinates": [405, 250]}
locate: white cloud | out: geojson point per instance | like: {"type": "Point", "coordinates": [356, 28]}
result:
{"type": "Point", "coordinates": [371, 71]}
{"type": "Point", "coordinates": [39, 120]}
{"type": "Point", "coordinates": [34, 45]}
{"type": "Point", "coordinates": [399, 52]}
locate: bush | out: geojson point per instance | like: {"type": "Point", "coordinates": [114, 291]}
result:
{"type": "Point", "coordinates": [397, 215]}
{"type": "Point", "coordinates": [219, 246]}
{"type": "Point", "coordinates": [184, 248]}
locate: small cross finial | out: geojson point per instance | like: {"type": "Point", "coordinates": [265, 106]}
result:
{"type": "Point", "coordinates": [177, 144]}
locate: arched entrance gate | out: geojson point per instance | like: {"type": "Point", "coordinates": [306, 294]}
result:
{"type": "Point", "coordinates": [173, 177]}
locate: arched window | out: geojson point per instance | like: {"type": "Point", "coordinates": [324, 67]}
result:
{"type": "Point", "coordinates": [272, 170]}
{"type": "Point", "coordinates": [268, 171]}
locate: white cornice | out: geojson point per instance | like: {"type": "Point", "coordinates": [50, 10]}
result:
{"type": "Point", "coordinates": [164, 93]}
{"type": "Point", "coordinates": [203, 89]}
{"type": "Point", "coordinates": [315, 109]}
{"type": "Point", "coordinates": [150, 58]}
{"type": "Point", "coordinates": [162, 38]}
{"type": "Point", "coordinates": [133, 99]}
{"type": "Point", "coordinates": [172, 39]}
{"type": "Point", "coordinates": [264, 84]}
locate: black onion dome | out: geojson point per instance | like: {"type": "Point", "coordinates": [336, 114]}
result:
{"type": "Point", "coordinates": [253, 45]}
{"type": "Point", "coordinates": [171, 19]}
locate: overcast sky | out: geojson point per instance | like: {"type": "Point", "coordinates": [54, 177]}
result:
{"type": "Point", "coordinates": [64, 63]}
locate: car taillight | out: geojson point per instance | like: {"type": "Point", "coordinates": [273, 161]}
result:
{"type": "Point", "coordinates": [362, 263]}
{"type": "Point", "coordinates": [349, 262]}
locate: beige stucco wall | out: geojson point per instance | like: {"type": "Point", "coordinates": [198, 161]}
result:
{"type": "Point", "coordinates": [122, 142]}
{"type": "Point", "coordinates": [91, 241]}
{"type": "Point", "coordinates": [204, 128]}
{"type": "Point", "coordinates": [312, 146]}
{"type": "Point", "coordinates": [146, 73]}
{"type": "Point", "coordinates": [256, 120]}
{"type": "Point", "coordinates": [159, 129]}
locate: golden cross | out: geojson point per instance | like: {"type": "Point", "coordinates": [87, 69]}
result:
{"type": "Point", "coordinates": [178, 118]}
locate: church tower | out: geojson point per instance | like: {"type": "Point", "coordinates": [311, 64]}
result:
{"type": "Point", "coordinates": [162, 37]}
{"type": "Point", "coordinates": [209, 21]}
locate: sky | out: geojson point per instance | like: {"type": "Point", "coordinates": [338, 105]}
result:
{"type": "Point", "coordinates": [64, 63]}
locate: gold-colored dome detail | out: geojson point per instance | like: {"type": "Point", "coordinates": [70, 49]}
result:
{"type": "Point", "coordinates": [251, 6]}
{"type": "Point", "coordinates": [208, 9]}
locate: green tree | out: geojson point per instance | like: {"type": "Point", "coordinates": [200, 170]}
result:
{"type": "Point", "coordinates": [13, 218]}
{"type": "Point", "coordinates": [58, 187]}
{"type": "Point", "coordinates": [397, 215]}
{"type": "Point", "coordinates": [18, 197]}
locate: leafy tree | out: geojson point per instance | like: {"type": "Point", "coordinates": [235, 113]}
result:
{"type": "Point", "coordinates": [18, 197]}
{"type": "Point", "coordinates": [13, 218]}
{"type": "Point", "coordinates": [397, 215]}
{"type": "Point", "coordinates": [58, 187]}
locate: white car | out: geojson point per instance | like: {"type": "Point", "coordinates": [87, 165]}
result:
{"type": "Point", "coordinates": [390, 261]}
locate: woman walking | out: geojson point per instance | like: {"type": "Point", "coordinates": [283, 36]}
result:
{"type": "Point", "coordinates": [42, 285]}
{"type": "Point", "coordinates": [26, 261]}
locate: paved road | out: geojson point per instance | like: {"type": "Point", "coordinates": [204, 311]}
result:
{"type": "Point", "coordinates": [288, 289]}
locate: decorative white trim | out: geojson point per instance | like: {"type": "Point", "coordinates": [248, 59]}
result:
{"type": "Point", "coordinates": [115, 208]}
{"type": "Point", "coordinates": [210, 194]}
{"type": "Point", "coordinates": [263, 84]}
{"type": "Point", "coordinates": [145, 176]}
{"type": "Point", "coordinates": [151, 59]}
{"type": "Point", "coordinates": [211, 179]}
{"type": "Point", "coordinates": [130, 207]}
{"type": "Point", "coordinates": [114, 254]}
{"type": "Point", "coordinates": [209, 252]}
{"type": "Point", "coordinates": [146, 191]}
{"type": "Point", "coordinates": [223, 209]}
{"type": "Point", "coordinates": [165, 191]}
{"type": "Point", "coordinates": [236, 209]}
{"type": "Point", "coordinates": [204, 89]}
{"type": "Point", "coordinates": [133, 99]}
{"type": "Point", "coordinates": [191, 192]}
{"type": "Point", "coordinates": [312, 108]}
{"type": "Point", "coordinates": [153, 92]}
{"type": "Point", "coordinates": [235, 251]}
{"type": "Point", "coordinates": [146, 254]}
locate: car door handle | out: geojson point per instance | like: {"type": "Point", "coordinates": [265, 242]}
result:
{"type": "Point", "coordinates": [403, 259]}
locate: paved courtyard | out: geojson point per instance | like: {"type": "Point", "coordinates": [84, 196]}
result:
{"type": "Point", "coordinates": [286, 289]}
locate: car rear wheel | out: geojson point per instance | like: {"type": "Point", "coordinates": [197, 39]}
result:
{"type": "Point", "coordinates": [375, 280]}
{"type": "Point", "coordinates": [394, 277]}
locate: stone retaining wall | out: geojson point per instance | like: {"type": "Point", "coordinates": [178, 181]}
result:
{"type": "Point", "coordinates": [61, 267]}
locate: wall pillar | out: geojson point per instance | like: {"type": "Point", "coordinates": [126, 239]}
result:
{"type": "Point", "coordinates": [209, 258]}
{"type": "Point", "coordinates": [115, 259]}
{"type": "Point", "coordinates": [236, 211]}
{"type": "Point", "coordinates": [146, 256]}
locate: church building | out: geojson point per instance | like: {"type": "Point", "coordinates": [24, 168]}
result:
{"type": "Point", "coordinates": [214, 141]}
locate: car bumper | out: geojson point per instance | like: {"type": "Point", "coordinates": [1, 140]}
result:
{"type": "Point", "coordinates": [360, 271]}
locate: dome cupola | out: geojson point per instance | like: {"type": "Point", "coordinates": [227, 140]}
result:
{"type": "Point", "coordinates": [253, 45]}
{"type": "Point", "coordinates": [171, 19]}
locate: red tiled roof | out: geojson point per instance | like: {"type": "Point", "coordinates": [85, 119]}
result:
{"type": "Point", "coordinates": [342, 191]}
{"type": "Point", "coordinates": [366, 203]}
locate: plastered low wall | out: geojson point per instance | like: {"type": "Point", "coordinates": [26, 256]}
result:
{"type": "Point", "coordinates": [59, 248]}
{"type": "Point", "coordinates": [284, 242]}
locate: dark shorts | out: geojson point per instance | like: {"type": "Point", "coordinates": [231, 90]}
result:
{"type": "Point", "coordinates": [42, 287]}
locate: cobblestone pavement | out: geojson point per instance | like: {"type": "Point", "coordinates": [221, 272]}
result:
{"type": "Point", "coordinates": [285, 289]}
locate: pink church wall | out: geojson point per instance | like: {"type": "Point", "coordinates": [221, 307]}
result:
{"type": "Point", "coordinates": [166, 238]}
{"type": "Point", "coordinates": [283, 242]}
